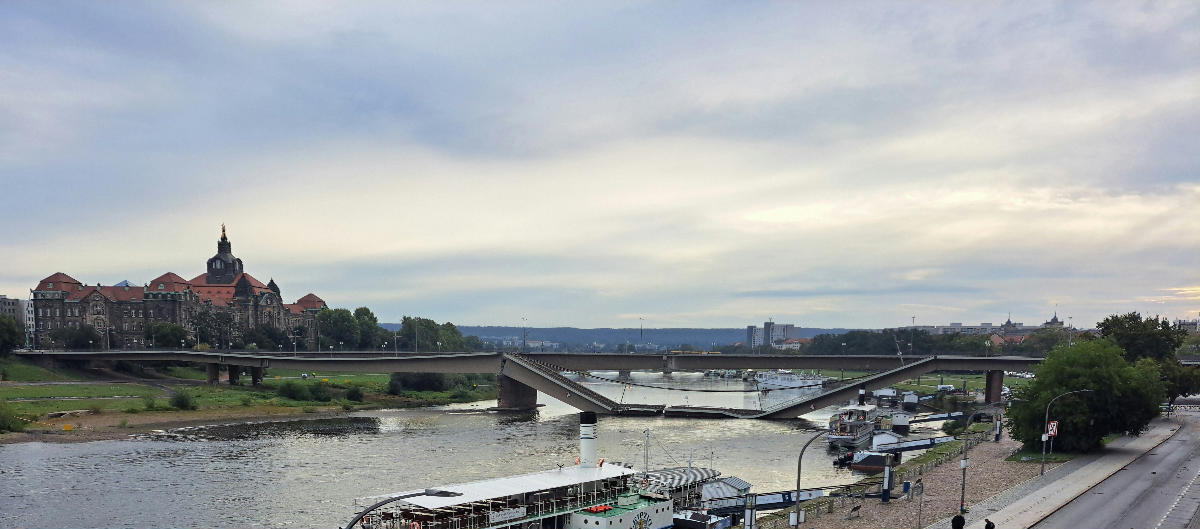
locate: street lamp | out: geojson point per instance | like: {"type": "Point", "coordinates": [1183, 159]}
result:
{"type": "Point", "coordinates": [795, 517]}
{"type": "Point", "coordinates": [1046, 425]}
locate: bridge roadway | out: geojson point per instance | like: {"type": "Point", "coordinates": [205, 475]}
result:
{"type": "Point", "coordinates": [522, 375]}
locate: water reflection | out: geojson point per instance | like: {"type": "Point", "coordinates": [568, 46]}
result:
{"type": "Point", "coordinates": [307, 473]}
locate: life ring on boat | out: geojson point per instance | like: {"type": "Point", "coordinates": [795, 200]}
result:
{"type": "Point", "coordinates": [366, 520]}
{"type": "Point", "coordinates": [577, 461]}
{"type": "Point", "coordinates": [415, 525]}
{"type": "Point", "coordinates": [645, 482]}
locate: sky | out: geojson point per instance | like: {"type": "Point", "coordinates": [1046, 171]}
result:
{"type": "Point", "coordinates": [610, 164]}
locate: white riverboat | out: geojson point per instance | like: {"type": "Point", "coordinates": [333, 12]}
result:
{"type": "Point", "coordinates": [587, 495]}
{"type": "Point", "coordinates": [852, 426]}
{"type": "Point", "coordinates": [784, 379]}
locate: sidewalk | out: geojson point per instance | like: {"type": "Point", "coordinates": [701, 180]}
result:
{"type": "Point", "coordinates": [1051, 492]}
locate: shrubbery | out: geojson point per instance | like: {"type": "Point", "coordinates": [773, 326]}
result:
{"type": "Point", "coordinates": [355, 394]}
{"type": "Point", "coordinates": [9, 422]}
{"type": "Point", "coordinates": [183, 400]}
{"type": "Point", "coordinates": [294, 390]}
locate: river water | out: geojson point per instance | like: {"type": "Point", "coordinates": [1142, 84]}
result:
{"type": "Point", "coordinates": [308, 473]}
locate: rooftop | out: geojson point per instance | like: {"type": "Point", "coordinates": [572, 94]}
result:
{"type": "Point", "coordinates": [512, 485]}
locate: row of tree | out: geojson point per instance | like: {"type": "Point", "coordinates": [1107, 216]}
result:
{"type": "Point", "coordinates": [1130, 369]}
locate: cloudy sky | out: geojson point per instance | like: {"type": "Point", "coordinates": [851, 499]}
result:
{"type": "Point", "coordinates": [590, 164]}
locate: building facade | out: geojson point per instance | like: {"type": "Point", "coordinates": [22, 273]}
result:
{"type": "Point", "coordinates": [122, 313]}
{"type": "Point", "coordinates": [18, 309]}
{"type": "Point", "coordinates": [770, 333]}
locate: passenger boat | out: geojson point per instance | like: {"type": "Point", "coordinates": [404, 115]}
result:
{"type": "Point", "coordinates": [588, 495]}
{"type": "Point", "coordinates": [782, 379]}
{"type": "Point", "coordinates": [852, 426]}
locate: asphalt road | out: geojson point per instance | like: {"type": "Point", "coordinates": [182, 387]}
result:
{"type": "Point", "coordinates": [1160, 490]}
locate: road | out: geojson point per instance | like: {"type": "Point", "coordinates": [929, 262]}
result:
{"type": "Point", "coordinates": [1159, 490]}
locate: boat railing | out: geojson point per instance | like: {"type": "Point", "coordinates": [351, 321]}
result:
{"type": "Point", "coordinates": [479, 519]}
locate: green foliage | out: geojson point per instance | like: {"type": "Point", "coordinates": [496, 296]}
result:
{"type": "Point", "coordinates": [83, 338]}
{"type": "Point", "coordinates": [20, 370]}
{"type": "Point", "coordinates": [320, 392]}
{"type": "Point", "coordinates": [11, 335]}
{"type": "Point", "coordinates": [1126, 396]}
{"type": "Point", "coordinates": [1142, 338]}
{"type": "Point", "coordinates": [183, 400]}
{"type": "Point", "coordinates": [429, 336]}
{"type": "Point", "coordinates": [1040, 342]}
{"type": "Point", "coordinates": [166, 334]}
{"type": "Point", "coordinates": [473, 343]}
{"type": "Point", "coordinates": [308, 409]}
{"type": "Point", "coordinates": [214, 328]}
{"type": "Point", "coordinates": [9, 421]}
{"type": "Point", "coordinates": [338, 328]}
{"type": "Point", "coordinates": [355, 394]}
{"type": "Point", "coordinates": [267, 338]}
{"type": "Point", "coordinates": [401, 382]}
{"type": "Point", "coordinates": [150, 402]}
{"type": "Point", "coordinates": [294, 390]}
{"type": "Point", "coordinates": [370, 335]}
{"type": "Point", "coordinates": [1179, 379]}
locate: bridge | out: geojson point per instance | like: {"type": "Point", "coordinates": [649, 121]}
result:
{"type": "Point", "coordinates": [521, 376]}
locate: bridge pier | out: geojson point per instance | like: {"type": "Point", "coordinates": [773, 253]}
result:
{"type": "Point", "coordinates": [256, 376]}
{"type": "Point", "coordinates": [995, 382]}
{"type": "Point", "coordinates": [515, 395]}
{"type": "Point", "coordinates": [624, 374]}
{"type": "Point", "coordinates": [235, 372]}
{"type": "Point", "coordinates": [214, 372]}
{"type": "Point", "coordinates": [668, 365]}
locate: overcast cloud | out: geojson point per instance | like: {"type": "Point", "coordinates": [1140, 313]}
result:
{"type": "Point", "coordinates": [692, 164]}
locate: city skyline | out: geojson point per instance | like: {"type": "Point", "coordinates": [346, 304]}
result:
{"type": "Point", "coordinates": [610, 165]}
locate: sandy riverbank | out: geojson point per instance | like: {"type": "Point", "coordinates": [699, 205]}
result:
{"type": "Point", "coordinates": [107, 426]}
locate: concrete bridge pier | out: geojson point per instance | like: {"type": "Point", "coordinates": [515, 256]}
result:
{"type": "Point", "coordinates": [256, 376]}
{"type": "Point", "coordinates": [515, 395]}
{"type": "Point", "coordinates": [995, 382]}
{"type": "Point", "coordinates": [214, 372]}
{"type": "Point", "coordinates": [668, 365]}
{"type": "Point", "coordinates": [235, 373]}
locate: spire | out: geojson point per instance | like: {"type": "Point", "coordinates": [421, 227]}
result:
{"type": "Point", "coordinates": [223, 237]}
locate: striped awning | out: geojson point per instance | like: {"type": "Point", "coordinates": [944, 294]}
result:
{"type": "Point", "coordinates": [669, 479]}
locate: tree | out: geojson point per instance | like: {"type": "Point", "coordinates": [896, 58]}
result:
{"type": "Point", "coordinates": [11, 335]}
{"type": "Point", "coordinates": [338, 328]}
{"type": "Point", "coordinates": [1179, 379]}
{"type": "Point", "coordinates": [165, 334]}
{"type": "Point", "coordinates": [85, 337]}
{"type": "Point", "coordinates": [214, 327]}
{"type": "Point", "coordinates": [1142, 338]}
{"type": "Point", "coordinates": [370, 335]}
{"type": "Point", "coordinates": [473, 343]}
{"type": "Point", "coordinates": [1125, 396]}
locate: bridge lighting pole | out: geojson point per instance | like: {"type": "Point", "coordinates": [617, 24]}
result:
{"type": "Point", "coordinates": [1046, 425]}
{"type": "Point", "coordinates": [794, 519]}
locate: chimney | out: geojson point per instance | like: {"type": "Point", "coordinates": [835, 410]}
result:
{"type": "Point", "coordinates": [862, 396]}
{"type": "Point", "coordinates": [587, 439]}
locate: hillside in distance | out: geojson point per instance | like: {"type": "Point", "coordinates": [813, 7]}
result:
{"type": "Point", "coordinates": [700, 338]}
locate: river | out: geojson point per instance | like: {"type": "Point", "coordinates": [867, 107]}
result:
{"type": "Point", "coordinates": [308, 473]}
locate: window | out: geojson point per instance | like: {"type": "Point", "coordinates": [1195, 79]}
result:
{"type": "Point", "coordinates": [151, 313]}
{"type": "Point", "coordinates": [56, 313]}
{"type": "Point", "coordinates": [161, 286]}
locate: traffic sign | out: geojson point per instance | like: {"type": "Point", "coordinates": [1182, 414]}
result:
{"type": "Point", "coordinates": [1052, 429]}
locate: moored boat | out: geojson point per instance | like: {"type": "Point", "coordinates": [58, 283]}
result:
{"type": "Point", "coordinates": [852, 426]}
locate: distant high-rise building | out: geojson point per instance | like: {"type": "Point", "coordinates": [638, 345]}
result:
{"type": "Point", "coordinates": [770, 333]}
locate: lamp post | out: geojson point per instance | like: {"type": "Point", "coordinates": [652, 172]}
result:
{"type": "Point", "coordinates": [1046, 425]}
{"type": "Point", "coordinates": [794, 519]}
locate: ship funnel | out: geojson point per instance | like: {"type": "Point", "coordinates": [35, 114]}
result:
{"type": "Point", "coordinates": [587, 439]}
{"type": "Point", "coordinates": [862, 396]}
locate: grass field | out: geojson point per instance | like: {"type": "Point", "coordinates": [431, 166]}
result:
{"type": "Point", "coordinates": [77, 390]}
{"type": "Point", "coordinates": [19, 370]}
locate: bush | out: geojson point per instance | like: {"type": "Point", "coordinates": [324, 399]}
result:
{"type": "Point", "coordinates": [418, 382]}
{"type": "Point", "coordinates": [246, 400]}
{"type": "Point", "coordinates": [9, 421]}
{"type": "Point", "coordinates": [355, 394]}
{"type": "Point", "coordinates": [150, 402]}
{"type": "Point", "coordinates": [95, 409]}
{"type": "Point", "coordinates": [294, 390]}
{"type": "Point", "coordinates": [123, 424]}
{"type": "Point", "coordinates": [347, 407]}
{"type": "Point", "coordinates": [320, 392]}
{"type": "Point", "coordinates": [183, 400]}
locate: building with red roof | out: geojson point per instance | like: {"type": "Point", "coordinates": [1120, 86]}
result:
{"type": "Point", "coordinates": [122, 313]}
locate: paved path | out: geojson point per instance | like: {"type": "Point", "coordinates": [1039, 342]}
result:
{"type": "Point", "coordinates": [1048, 493]}
{"type": "Point", "coordinates": [1156, 491]}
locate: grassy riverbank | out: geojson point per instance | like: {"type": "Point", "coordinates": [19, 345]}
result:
{"type": "Point", "coordinates": [99, 407]}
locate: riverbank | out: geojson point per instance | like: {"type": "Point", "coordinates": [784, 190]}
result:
{"type": "Point", "coordinates": [87, 426]}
